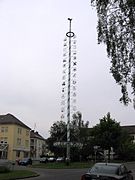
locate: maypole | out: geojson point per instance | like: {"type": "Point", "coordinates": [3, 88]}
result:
{"type": "Point", "coordinates": [69, 82]}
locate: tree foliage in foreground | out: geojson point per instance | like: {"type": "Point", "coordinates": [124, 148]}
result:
{"type": "Point", "coordinates": [116, 29]}
{"type": "Point", "coordinates": [108, 133]}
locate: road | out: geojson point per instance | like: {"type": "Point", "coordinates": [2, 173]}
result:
{"type": "Point", "coordinates": [57, 174]}
{"type": "Point", "coordinates": [66, 174]}
{"type": "Point", "coordinates": [131, 166]}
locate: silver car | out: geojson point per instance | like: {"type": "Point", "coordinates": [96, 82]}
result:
{"type": "Point", "coordinates": [108, 171]}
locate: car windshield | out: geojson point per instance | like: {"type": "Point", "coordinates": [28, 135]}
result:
{"type": "Point", "coordinates": [105, 169]}
{"type": "Point", "coordinates": [25, 159]}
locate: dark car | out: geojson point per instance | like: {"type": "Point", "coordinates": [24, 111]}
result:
{"type": "Point", "coordinates": [25, 162]}
{"type": "Point", "coordinates": [108, 171]}
{"type": "Point", "coordinates": [43, 160]}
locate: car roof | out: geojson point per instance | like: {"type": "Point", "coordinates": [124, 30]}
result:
{"type": "Point", "coordinates": [109, 164]}
{"type": "Point", "coordinates": [105, 168]}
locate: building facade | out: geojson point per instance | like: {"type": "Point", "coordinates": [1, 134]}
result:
{"type": "Point", "coordinates": [37, 145]}
{"type": "Point", "coordinates": [130, 130]}
{"type": "Point", "coordinates": [14, 138]}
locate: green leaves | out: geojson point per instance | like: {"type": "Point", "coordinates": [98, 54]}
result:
{"type": "Point", "coordinates": [107, 133]}
{"type": "Point", "coordinates": [116, 29]}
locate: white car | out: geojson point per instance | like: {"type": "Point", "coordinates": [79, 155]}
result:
{"type": "Point", "coordinates": [60, 159]}
{"type": "Point", "coordinates": [51, 159]}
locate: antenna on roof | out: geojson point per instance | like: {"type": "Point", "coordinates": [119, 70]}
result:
{"type": "Point", "coordinates": [35, 126]}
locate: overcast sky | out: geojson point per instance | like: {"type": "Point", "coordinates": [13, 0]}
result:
{"type": "Point", "coordinates": [31, 50]}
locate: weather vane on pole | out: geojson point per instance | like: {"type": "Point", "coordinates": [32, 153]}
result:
{"type": "Point", "coordinates": [69, 81]}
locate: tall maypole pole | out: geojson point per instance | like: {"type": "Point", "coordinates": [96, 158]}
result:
{"type": "Point", "coordinates": [69, 82]}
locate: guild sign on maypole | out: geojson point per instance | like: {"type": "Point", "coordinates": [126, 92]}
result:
{"type": "Point", "coordinates": [68, 102]}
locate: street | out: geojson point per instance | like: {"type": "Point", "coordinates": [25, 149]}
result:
{"type": "Point", "coordinates": [66, 174]}
{"type": "Point", "coordinates": [58, 174]}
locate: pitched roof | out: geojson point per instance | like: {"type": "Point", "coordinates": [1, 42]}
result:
{"type": "Point", "coordinates": [130, 129]}
{"type": "Point", "coordinates": [10, 119]}
{"type": "Point", "coordinates": [36, 135]}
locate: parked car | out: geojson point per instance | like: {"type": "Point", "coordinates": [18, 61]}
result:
{"type": "Point", "coordinates": [60, 159]}
{"type": "Point", "coordinates": [25, 162]}
{"type": "Point", "coordinates": [51, 159]}
{"type": "Point", "coordinates": [106, 171]}
{"type": "Point", "coordinates": [43, 160]}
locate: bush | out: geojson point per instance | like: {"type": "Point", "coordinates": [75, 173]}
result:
{"type": "Point", "coordinates": [4, 169]}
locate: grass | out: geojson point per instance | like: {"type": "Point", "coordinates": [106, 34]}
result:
{"type": "Point", "coordinates": [72, 165]}
{"type": "Point", "coordinates": [16, 174]}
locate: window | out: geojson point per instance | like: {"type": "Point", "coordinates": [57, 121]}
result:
{"type": "Point", "coordinates": [4, 129]}
{"type": "Point", "coordinates": [104, 169]}
{"type": "Point", "coordinates": [27, 133]}
{"type": "Point", "coordinates": [17, 153]}
{"type": "Point", "coordinates": [31, 142]}
{"type": "Point", "coordinates": [19, 130]}
{"type": "Point", "coordinates": [26, 154]}
{"type": "Point", "coordinates": [18, 141]}
{"type": "Point", "coordinates": [3, 140]}
{"type": "Point", "coordinates": [27, 143]}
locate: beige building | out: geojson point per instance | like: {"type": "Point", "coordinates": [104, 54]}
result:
{"type": "Point", "coordinates": [14, 138]}
{"type": "Point", "coordinates": [37, 145]}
